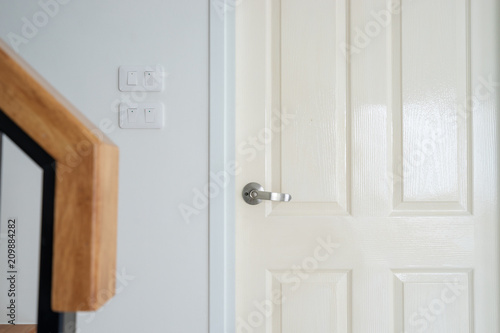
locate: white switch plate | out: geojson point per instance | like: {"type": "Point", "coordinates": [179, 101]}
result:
{"type": "Point", "coordinates": [147, 78]}
{"type": "Point", "coordinates": [142, 112]}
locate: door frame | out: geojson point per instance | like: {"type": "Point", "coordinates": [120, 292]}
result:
{"type": "Point", "coordinates": [222, 224]}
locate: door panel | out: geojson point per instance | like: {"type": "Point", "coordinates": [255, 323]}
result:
{"type": "Point", "coordinates": [380, 120]}
{"type": "Point", "coordinates": [431, 82]}
{"type": "Point", "coordinates": [446, 297]}
{"type": "Point", "coordinates": [306, 106]}
{"type": "Point", "coordinates": [299, 313]}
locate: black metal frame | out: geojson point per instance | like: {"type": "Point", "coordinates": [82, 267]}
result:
{"type": "Point", "coordinates": [48, 320]}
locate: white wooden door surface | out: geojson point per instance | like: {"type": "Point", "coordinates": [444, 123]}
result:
{"type": "Point", "coordinates": [380, 120]}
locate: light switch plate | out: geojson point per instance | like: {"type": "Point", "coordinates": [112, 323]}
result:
{"type": "Point", "coordinates": [142, 115]}
{"type": "Point", "coordinates": [146, 78]}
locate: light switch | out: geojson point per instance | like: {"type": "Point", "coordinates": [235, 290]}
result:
{"type": "Point", "coordinates": [132, 78]}
{"type": "Point", "coordinates": [150, 114]}
{"type": "Point", "coordinates": [141, 78]}
{"type": "Point", "coordinates": [149, 78]}
{"type": "Point", "coordinates": [132, 115]}
{"type": "Point", "coordinates": [146, 115]}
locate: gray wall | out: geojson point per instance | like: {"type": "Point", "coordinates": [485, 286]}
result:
{"type": "Point", "coordinates": [20, 199]}
{"type": "Point", "coordinates": [78, 50]}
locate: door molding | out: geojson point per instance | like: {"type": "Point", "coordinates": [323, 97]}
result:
{"type": "Point", "coordinates": [221, 167]}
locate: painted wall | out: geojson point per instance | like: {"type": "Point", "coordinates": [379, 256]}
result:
{"type": "Point", "coordinates": [20, 212]}
{"type": "Point", "coordinates": [78, 46]}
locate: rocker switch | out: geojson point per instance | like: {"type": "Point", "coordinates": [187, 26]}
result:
{"type": "Point", "coordinates": [150, 115]}
{"type": "Point", "coordinates": [149, 78]}
{"type": "Point", "coordinates": [132, 78]}
{"type": "Point", "coordinates": [132, 115]}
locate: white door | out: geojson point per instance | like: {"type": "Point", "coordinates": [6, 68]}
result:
{"type": "Point", "coordinates": [380, 120]}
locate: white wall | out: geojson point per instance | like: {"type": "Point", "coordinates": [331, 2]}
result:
{"type": "Point", "coordinates": [78, 51]}
{"type": "Point", "coordinates": [20, 198]}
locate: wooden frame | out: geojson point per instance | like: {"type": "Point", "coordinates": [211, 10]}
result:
{"type": "Point", "coordinates": [18, 329]}
{"type": "Point", "coordinates": [86, 190]}
{"type": "Point", "coordinates": [47, 319]}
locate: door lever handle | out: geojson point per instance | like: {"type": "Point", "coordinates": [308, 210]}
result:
{"type": "Point", "coordinates": [253, 194]}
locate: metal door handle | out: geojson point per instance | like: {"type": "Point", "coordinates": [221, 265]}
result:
{"type": "Point", "coordinates": [253, 194]}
